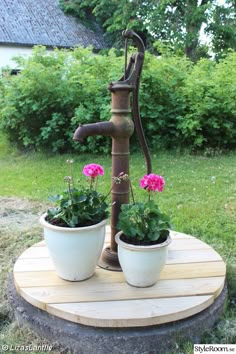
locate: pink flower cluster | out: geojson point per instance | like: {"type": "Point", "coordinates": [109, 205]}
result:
{"type": "Point", "coordinates": [93, 170]}
{"type": "Point", "coordinates": [152, 182]}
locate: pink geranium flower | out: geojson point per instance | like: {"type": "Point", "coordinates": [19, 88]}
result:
{"type": "Point", "coordinates": [93, 170]}
{"type": "Point", "coordinates": [152, 182]}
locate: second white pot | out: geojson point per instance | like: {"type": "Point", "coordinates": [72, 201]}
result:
{"type": "Point", "coordinates": [142, 265]}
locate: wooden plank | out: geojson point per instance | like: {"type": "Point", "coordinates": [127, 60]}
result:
{"type": "Point", "coordinates": [50, 278]}
{"type": "Point", "coordinates": [40, 263]}
{"type": "Point", "coordinates": [125, 314]}
{"type": "Point", "coordinates": [35, 252]}
{"type": "Point", "coordinates": [177, 271]}
{"type": "Point", "coordinates": [33, 265]}
{"type": "Point", "coordinates": [190, 281]}
{"type": "Point", "coordinates": [40, 244]}
{"type": "Point", "coordinates": [192, 256]}
{"type": "Point", "coordinates": [180, 244]}
{"type": "Point", "coordinates": [179, 235]}
{"type": "Point", "coordinates": [42, 278]}
{"type": "Point", "coordinates": [41, 251]}
{"type": "Point", "coordinates": [92, 290]}
{"type": "Point", "coordinates": [194, 270]}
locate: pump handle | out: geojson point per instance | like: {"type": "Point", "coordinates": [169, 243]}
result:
{"type": "Point", "coordinates": [133, 76]}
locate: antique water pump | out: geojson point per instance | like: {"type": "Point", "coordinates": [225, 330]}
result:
{"type": "Point", "coordinates": [120, 128]}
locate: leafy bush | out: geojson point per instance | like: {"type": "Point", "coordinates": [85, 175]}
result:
{"type": "Point", "coordinates": [55, 92]}
{"type": "Point", "coordinates": [181, 104]}
{"type": "Point", "coordinates": [161, 100]}
{"type": "Point", "coordinates": [209, 117]}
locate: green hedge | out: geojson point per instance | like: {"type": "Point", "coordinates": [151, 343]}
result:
{"type": "Point", "coordinates": [181, 104]}
{"type": "Point", "coordinates": [209, 94]}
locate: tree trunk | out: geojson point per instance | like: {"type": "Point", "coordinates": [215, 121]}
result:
{"type": "Point", "coordinates": [194, 20]}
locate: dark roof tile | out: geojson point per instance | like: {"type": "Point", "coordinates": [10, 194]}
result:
{"type": "Point", "coordinates": [34, 22]}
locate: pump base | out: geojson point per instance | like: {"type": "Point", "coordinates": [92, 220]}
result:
{"type": "Point", "coordinates": [109, 260]}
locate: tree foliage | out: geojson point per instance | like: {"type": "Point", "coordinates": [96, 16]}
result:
{"type": "Point", "coordinates": [176, 23]}
{"type": "Point", "coordinates": [181, 104]}
{"type": "Point", "coordinates": [223, 29]}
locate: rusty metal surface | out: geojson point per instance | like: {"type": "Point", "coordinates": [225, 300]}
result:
{"type": "Point", "coordinates": [131, 79]}
{"type": "Point", "coordinates": [85, 130]}
{"type": "Point", "coordinates": [120, 128]}
{"type": "Point", "coordinates": [124, 127]}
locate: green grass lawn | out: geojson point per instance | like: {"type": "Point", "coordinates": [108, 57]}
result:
{"type": "Point", "coordinates": [200, 192]}
{"type": "Point", "coordinates": [200, 195]}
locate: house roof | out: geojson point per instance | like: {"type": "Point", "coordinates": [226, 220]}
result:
{"type": "Point", "coordinates": [34, 22]}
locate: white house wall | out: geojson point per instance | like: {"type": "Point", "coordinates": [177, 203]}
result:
{"type": "Point", "coordinates": [8, 52]}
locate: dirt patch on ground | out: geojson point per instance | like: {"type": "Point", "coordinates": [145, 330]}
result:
{"type": "Point", "coordinates": [19, 214]}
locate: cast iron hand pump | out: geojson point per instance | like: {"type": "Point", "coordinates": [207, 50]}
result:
{"type": "Point", "coordinates": [120, 128]}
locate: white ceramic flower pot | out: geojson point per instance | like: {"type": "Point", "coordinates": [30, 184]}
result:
{"type": "Point", "coordinates": [142, 265]}
{"type": "Point", "coordinates": [74, 251]}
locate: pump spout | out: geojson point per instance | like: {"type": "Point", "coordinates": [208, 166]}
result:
{"type": "Point", "coordinates": [101, 128]}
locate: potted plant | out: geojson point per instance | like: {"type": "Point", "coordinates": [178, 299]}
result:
{"type": "Point", "coordinates": [74, 229]}
{"type": "Point", "coordinates": [144, 236]}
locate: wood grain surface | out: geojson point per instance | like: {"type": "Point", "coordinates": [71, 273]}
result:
{"type": "Point", "coordinates": [192, 278]}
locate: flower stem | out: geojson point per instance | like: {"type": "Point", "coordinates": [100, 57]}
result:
{"type": "Point", "coordinates": [108, 192]}
{"type": "Point", "coordinates": [71, 174]}
{"type": "Point", "coordinates": [91, 182]}
{"type": "Point", "coordinates": [69, 191]}
{"type": "Point", "coordinates": [131, 191]}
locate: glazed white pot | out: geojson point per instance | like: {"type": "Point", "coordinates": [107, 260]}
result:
{"type": "Point", "coordinates": [74, 251]}
{"type": "Point", "coordinates": [142, 265]}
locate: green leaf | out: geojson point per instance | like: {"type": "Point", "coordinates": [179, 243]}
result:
{"type": "Point", "coordinates": [143, 221]}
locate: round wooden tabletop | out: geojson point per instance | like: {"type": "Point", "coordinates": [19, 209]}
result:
{"type": "Point", "coordinates": [191, 280]}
